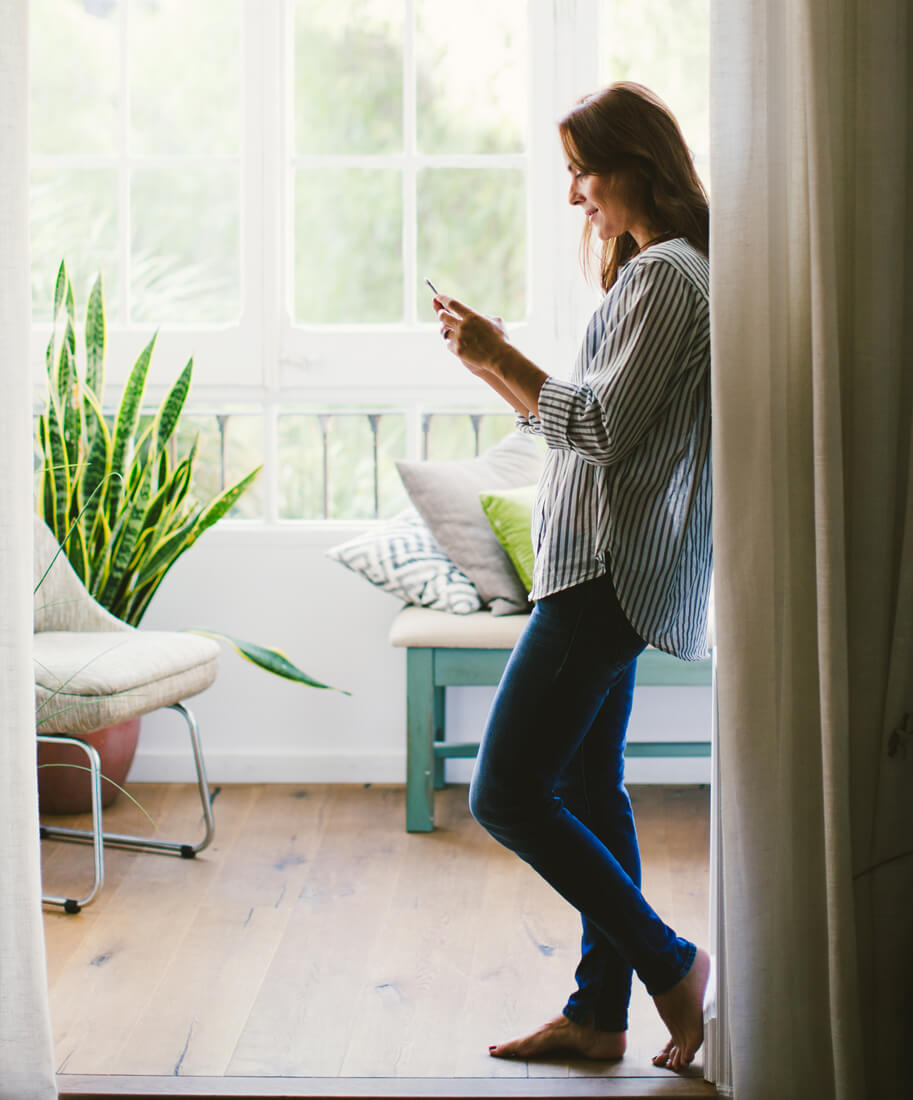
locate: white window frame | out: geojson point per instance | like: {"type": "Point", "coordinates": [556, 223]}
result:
{"type": "Point", "coordinates": [264, 353]}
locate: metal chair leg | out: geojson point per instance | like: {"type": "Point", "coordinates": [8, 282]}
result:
{"type": "Point", "coordinates": [121, 840]}
{"type": "Point", "coordinates": [73, 905]}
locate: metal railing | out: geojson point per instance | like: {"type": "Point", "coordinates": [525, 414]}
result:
{"type": "Point", "coordinates": [319, 463]}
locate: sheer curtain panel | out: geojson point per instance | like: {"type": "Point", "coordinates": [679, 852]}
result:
{"type": "Point", "coordinates": [812, 271]}
{"type": "Point", "coordinates": [26, 1055]}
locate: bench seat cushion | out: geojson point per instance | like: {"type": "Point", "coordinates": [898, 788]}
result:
{"type": "Point", "coordinates": [417, 626]}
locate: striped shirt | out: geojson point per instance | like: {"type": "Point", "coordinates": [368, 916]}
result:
{"type": "Point", "coordinates": [626, 484]}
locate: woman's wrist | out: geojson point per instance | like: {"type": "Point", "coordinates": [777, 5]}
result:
{"type": "Point", "coordinates": [520, 375]}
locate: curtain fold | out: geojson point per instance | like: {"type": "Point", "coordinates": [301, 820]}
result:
{"type": "Point", "coordinates": [812, 272]}
{"type": "Point", "coordinates": [26, 1054]}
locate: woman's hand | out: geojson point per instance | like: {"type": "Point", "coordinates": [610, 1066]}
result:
{"type": "Point", "coordinates": [481, 345]}
{"type": "Point", "coordinates": [477, 341]}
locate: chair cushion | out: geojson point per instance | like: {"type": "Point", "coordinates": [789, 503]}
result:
{"type": "Point", "coordinates": [86, 681]}
{"type": "Point", "coordinates": [417, 626]}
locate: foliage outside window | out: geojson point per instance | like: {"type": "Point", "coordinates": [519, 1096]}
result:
{"type": "Point", "coordinates": [268, 184]}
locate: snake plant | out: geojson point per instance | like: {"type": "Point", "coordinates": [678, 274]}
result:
{"type": "Point", "coordinates": [119, 499]}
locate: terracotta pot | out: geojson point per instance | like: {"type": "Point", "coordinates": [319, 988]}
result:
{"type": "Point", "coordinates": [69, 790]}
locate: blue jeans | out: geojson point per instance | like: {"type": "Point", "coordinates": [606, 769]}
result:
{"type": "Point", "coordinates": [549, 785]}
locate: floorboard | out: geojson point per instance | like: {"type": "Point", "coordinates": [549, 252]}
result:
{"type": "Point", "coordinates": [316, 941]}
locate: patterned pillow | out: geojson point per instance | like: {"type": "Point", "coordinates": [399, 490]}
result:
{"type": "Point", "coordinates": [401, 556]}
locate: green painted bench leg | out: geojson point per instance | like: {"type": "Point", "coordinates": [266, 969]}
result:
{"type": "Point", "coordinates": [438, 719]}
{"type": "Point", "coordinates": [420, 714]}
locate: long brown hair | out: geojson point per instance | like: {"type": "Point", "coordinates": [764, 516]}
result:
{"type": "Point", "coordinates": [628, 131]}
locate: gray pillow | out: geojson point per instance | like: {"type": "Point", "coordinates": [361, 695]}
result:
{"type": "Point", "coordinates": [447, 496]}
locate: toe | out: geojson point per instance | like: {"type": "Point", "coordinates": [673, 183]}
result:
{"type": "Point", "coordinates": [662, 1058]}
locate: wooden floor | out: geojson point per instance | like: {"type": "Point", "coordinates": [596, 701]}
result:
{"type": "Point", "coordinates": [317, 939]}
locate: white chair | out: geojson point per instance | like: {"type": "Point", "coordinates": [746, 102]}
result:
{"type": "Point", "coordinates": [93, 671]}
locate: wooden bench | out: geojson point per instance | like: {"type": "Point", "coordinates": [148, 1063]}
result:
{"type": "Point", "coordinates": [444, 650]}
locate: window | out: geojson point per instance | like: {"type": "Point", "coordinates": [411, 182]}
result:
{"type": "Point", "coordinates": [267, 184]}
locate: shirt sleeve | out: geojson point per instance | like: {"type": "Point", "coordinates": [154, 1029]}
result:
{"type": "Point", "coordinates": [631, 371]}
{"type": "Point", "coordinates": [530, 425]}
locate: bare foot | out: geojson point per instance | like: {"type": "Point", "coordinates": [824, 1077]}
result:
{"type": "Point", "coordinates": [682, 1010]}
{"type": "Point", "coordinates": [564, 1036]}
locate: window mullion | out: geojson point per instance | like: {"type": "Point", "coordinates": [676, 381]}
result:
{"type": "Point", "coordinates": [409, 165]}
{"type": "Point", "coordinates": [262, 159]}
{"type": "Point", "coordinates": [123, 169]}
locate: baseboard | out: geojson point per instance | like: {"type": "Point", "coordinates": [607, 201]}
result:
{"type": "Point", "coordinates": [359, 767]}
{"type": "Point", "coordinates": [266, 767]}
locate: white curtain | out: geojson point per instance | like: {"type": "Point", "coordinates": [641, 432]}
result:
{"type": "Point", "coordinates": [26, 1055]}
{"type": "Point", "coordinates": [812, 275]}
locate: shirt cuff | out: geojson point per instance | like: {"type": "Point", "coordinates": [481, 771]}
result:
{"type": "Point", "coordinates": [531, 424]}
{"type": "Point", "coordinates": [557, 400]}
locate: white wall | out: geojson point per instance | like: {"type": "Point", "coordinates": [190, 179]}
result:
{"type": "Point", "coordinates": [276, 586]}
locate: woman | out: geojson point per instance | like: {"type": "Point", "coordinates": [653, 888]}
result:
{"type": "Point", "coordinates": [623, 559]}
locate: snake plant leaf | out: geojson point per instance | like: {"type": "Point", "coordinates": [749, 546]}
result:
{"type": "Point", "coordinates": [123, 540]}
{"type": "Point", "coordinates": [148, 579]}
{"type": "Point", "coordinates": [46, 505]}
{"type": "Point", "coordinates": [77, 552]}
{"type": "Point", "coordinates": [71, 310]}
{"type": "Point", "coordinates": [164, 467]}
{"type": "Point", "coordinates": [181, 478]}
{"type": "Point", "coordinates": [67, 390]}
{"type": "Point", "coordinates": [273, 660]}
{"type": "Point", "coordinates": [69, 332]}
{"type": "Point", "coordinates": [173, 405]}
{"type": "Point", "coordinates": [140, 459]}
{"type": "Point", "coordinates": [65, 367]}
{"type": "Point", "coordinates": [49, 354]}
{"type": "Point", "coordinates": [95, 338]}
{"type": "Point", "coordinates": [127, 420]}
{"type": "Point", "coordinates": [224, 502]}
{"type": "Point", "coordinates": [98, 459]}
{"type": "Point", "coordinates": [155, 511]}
{"type": "Point", "coordinates": [59, 469]}
{"type": "Point", "coordinates": [166, 552]}
{"type": "Point", "coordinates": [60, 288]}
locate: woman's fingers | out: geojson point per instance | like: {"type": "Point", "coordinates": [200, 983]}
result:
{"type": "Point", "coordinates": [457, 308]}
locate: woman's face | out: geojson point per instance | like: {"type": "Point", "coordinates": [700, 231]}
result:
{"type": "Point", "coordinates": [602, 201]}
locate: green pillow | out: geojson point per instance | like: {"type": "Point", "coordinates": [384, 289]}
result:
{"type": "Point", "coordinates": [510, 513]}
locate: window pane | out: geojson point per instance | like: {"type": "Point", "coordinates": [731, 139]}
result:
{"type": "Point", "coordinates": [185, 76]}
{"type": "Point", "coordinates": [348, 245]}
{"type": "Point", "coordinates": [301, 481]}
{"type": "Point", "coordinates": [665, 46]}
{"type": "Point", "coordinates": [391, 445]}
{"type": "Point", "coordinates": [472, 238]}
{"type": "Point", "coordinates": [184, 260]}
{"type": "Point", "coordinates": [243, 434]}
{"type": "Point", "coordinates": [348, 76]}
{"type": "Point", "coordinates": [494, 428]}
{"type": "Point", "coordinates": [230, 446]}
{"type": "Point", "coordinates": [327, 465]}
{"type": "Point", "coordinates": [450, 436]}
{"type": "Point", "coordinates": [471, 76]}
{"type": "Point", "coordinates": [73, 217]}
{"type": "Point", "coordinates": [75, 76]}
